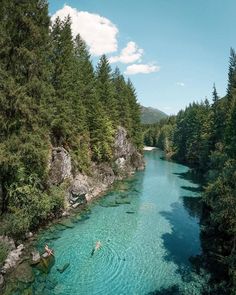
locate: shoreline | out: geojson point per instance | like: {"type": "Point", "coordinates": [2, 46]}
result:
{"type": "Point", "coordinates": [149, 148]}
{"type": "Point", "coordinates": [29, 244]}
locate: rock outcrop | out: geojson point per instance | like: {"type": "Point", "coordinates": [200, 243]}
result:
{"type": "Point", "coordinates": [84, 188]}
{"type": "Point", "coordinates": [9, 242]}
{"type": "Point", "coordinates": [59, 166]}
{"type": "Point", "coordinates": [12, 259]}
{"type": "Point", "coordinates": [126, 156]}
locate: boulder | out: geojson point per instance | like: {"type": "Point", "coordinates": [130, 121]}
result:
{"type": "Point", "coordinates": [35, 257]}
{"type": "Point", "coordinates": [24, 273]}
{"type": "Point", "coordinates": [29, 235]}
{"type": "Point", "coordinates": [65, 214]}
{"type": "Point", "coordinates": [46, 263]}
{"type": "Point", "coordinates": [59, 166]}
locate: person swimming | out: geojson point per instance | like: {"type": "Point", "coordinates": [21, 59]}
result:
{"type": "Point", "coordinates": [97, 247]}
{"type": "Point", "coordinates": [48, 250]}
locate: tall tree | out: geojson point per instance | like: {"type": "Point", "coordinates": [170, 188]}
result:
{"type": "Point", "coordinates": [135, 115]}
{"type": "Point", "coordinates": [122, 100]}
{"type": "Point", "coordinates": [105, 89]}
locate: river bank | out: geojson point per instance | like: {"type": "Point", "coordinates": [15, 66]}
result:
{"type": "Point", "coordinates": [80, 191]}
{"type": "Point", "coordinates": [148, 227]}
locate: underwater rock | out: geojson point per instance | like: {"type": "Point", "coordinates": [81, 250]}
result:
{"type": "Point", "coordinates": [62, 269]}
{"type": "Point", "coordinates": [122, 202]}
{"type": "Point", "coordinates": [67, 224]}
{"type": "Point", "coordinates": [130, 212]}
{"type": "Point", "coordinates": [51, 284]}
{"type": "Point", "coordinates": [46, 263]}
{"type": "Point", "coordinates": [24, 273]}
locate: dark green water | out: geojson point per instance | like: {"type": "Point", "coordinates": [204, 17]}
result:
{"type": "Point", "coordinates": [148, 227]}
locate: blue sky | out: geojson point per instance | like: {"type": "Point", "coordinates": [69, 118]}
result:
{"type": "Point", "coordinates": [181, 47]}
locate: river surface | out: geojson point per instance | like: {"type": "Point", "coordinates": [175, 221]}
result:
{"type": "Point", "coordinates": [148, 226]}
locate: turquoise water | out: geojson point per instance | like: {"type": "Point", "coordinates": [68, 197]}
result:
{"type": "Point", "coordinates": [148, 227]}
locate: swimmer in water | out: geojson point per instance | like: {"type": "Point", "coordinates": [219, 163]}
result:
{"type": "Point", "coordinates": [97, 247]}
{"type": "Point", "coordinates": [48, 250]}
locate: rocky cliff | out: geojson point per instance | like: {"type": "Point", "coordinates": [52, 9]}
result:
{"type": "Point", "coordinates": [83, 188]}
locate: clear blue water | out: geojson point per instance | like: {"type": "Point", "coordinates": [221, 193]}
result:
{"type": "Point", "coordinates": [146, 242]}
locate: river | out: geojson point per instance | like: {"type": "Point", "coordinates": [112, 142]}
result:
{"type": "Point", "coordinates": [148, 226]}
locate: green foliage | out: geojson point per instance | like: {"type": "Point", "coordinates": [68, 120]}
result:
{"type": "Point", "coordinates": [50, 95]}
{"type": "Point", "coordinates": [29, 205]}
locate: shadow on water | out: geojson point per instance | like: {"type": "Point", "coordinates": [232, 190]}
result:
{"type": "Point", "coordinates": [192, 189]}
{"type": "Point", "coordinates": [191, 176]}
{"type": "Point", "coordinates": [172, 290]}
{"type": "Point", "coordinates": [182, 241]}
{"type": "Point", "coordinates": [193, 205]}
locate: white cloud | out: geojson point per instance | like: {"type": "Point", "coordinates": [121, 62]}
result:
{"type": "Point", "coordinates": [129, 54]}
{"type": "Point", "coordinates": [141, 69]}
{"type": "Point", "coordinates": [180, 84]}
{"type": "Point", "coordinates": [98, 32]}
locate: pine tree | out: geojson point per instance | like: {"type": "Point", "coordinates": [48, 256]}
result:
{"type": "Point", "coordinates": [122, 101]}
{"type": "Point", "coordinates": [69, 120]}
{"type": "Point", "coordinates": [135, 115]}
{"type": "Point", "coordinates": [105, 90]}
{"type": "Point", "coordinates": [215, 94]}
{"type": "Point", "coordinates": [232, 74]}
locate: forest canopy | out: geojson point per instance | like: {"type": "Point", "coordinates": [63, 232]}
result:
{"type": "Point", "coordinates": [51, 95]}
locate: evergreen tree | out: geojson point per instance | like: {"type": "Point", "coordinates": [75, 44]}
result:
{"type": "Point", "coordinates": [135, 115]}
{"type": "Point", "coordinates": [122, 100]}
{"type": "Point", "coordinates": [69, 120]}
{"type": "Point", "coordinates": [100, 127]}
{"type": "Point", "coordinates": [105, 89]}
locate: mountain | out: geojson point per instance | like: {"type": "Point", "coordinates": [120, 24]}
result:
{"type": "Point", "coordinates": [150, 115]}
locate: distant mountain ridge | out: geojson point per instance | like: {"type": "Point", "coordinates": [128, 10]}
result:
{"type": "Point", "coordinates": [151, 115]}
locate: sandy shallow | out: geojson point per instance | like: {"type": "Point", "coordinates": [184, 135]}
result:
{"type": "Point", "coordinates": [149, 148]}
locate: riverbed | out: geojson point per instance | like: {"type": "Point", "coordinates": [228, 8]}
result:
{"type": "Point", "coordinates": [148, 226]}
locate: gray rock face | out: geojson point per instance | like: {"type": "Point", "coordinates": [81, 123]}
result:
{"type": "Point", "coordinates": [78, 190]}
{"type": "Point", "coordinates": [59, 166]}
{"type": "Point", "coordinates": [1, 281]}
{"type": "Point", "coordinates": [83, 188]}
{"type": "Point", "coordinates": [126, 156]}
{"type": "Point", "coordinates": [8, 241]}
{"type": "Point", "coordinates": [123, 148]}
{"type": "Point", "coordinates": [12, 258]}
